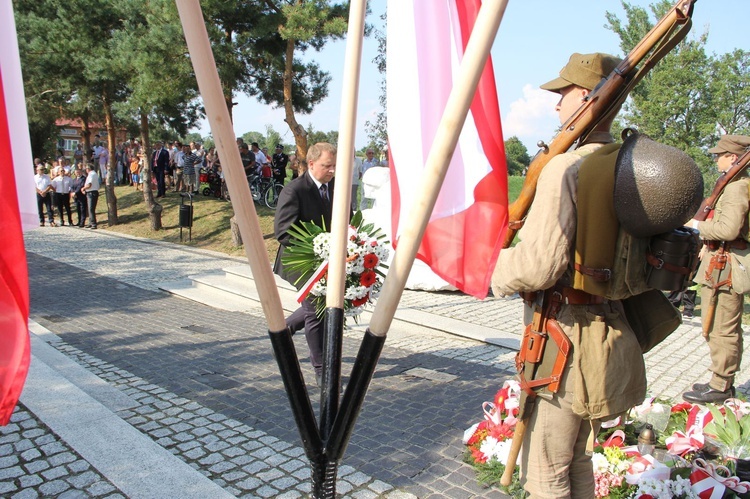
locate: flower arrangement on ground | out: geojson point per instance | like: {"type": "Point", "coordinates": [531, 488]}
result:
{"type": "Point", "coordinates": [367, 250]}
{"type": "Point", "coordinates": [700, 452]}
{"type": "Point", "coordinates": [488, 442]}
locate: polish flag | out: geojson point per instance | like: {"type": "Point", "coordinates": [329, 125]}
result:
{"type": "Point", "coordinates": [17, 205]}
{"type": "Point", "coordinates": [426, 42]}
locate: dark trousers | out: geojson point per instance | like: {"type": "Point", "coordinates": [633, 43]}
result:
{"type": "Point", "coordinates": [62, 201]}
{"type": "Point", "coordinates": [41, 203]}
{"type": "Point", "coordinates": [81, 209]}
{"type": "Point", "coordinates": [305, 317]}
{"type": "Point", "coordinates": [685, 297]}
{"type": "Point", "coordinates": [161, 186]}
{"type": "Point", "coordinates": [92, 197]}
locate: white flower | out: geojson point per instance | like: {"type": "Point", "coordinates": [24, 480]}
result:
{"type": "Point", "coordinates": [492, 449]}
{"type": "Point", "coordinates": [600, 462]}
{"type": "Point", "coordinates": [322, 245]}
{"type": "Point", "coordinates": [355, 292]}
{"type": "Point", "coordinates": [319, 288]}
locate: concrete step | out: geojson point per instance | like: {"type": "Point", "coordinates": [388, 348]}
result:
{"type": "Point", "coordinates": [235, 290]}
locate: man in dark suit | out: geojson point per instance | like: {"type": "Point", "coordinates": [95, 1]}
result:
{"type": "Point", "coordinates": [308, 198]}
{"type": "Point", "coordinates": [159, 165]}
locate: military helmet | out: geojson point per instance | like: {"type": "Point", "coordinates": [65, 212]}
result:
{"type": "Point", "coordinates": [657, 187]}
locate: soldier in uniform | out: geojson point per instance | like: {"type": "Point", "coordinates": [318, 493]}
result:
{"type": "Point", "coordinates": [722, 322]}
{"type": "Point", "coordinates": [604, 374]}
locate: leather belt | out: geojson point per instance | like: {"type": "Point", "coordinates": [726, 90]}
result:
{"type": "Point", "coordinates": [565, 295]}
{"type": "Point", "coordinates": [570, 296]}
{"type": "Point", "coordinates": [739, 244]}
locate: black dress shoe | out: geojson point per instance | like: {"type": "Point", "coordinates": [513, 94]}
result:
{"type": "Point", "coordinates": [708, 395]}
{"type": "Point", "coordinates": [702, 387]}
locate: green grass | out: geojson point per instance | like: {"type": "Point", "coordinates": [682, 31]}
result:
{"type": "Point", "coordinates": [514, 187]}
{"type": "Point", "coordinates": [210, 221]}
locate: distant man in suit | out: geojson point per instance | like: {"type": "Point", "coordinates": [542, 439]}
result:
{"type": "Point", "coordinates": [308, 198]}
{"type": "Point", "coordinates": [159, 165]}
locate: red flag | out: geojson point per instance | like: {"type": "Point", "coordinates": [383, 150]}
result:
{"type": "Point", "coordinates": [426, 41]}
{"type": "Point", "coordinates": [14, 281]}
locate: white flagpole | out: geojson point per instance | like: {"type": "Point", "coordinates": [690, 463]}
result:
{"type": "Point", "coordinates": [209, 84]}
{"type": "Point", "coordinates": [345, 155]}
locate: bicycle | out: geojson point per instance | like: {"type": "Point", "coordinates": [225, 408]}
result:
{"type": "Point", "coordinates": [257, 185]}
{"type": "Point", "coordinates": [271, 193]}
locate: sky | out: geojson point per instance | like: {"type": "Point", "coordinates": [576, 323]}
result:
{"type": "Point", "coordinates": [534, 41]}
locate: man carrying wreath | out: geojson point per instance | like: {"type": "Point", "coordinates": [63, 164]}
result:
{"type": "Point", "coordinates": [307, 198]}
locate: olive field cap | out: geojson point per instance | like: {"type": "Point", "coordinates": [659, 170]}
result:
{"type": "Point", "coordinates": [584, 70]}
{"type": "Point", "coordinates": [734, 144]}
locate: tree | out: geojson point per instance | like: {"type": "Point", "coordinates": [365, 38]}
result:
{"type": "Point", "coordinates": [517, 156]}
{"type": "Point", "coordinates": [81, 65]}
{"type": "Point", "coordinates": [730, 88]}
{"type": "Point", "coordinates": [673, 104]}
{"type": "Point", "coordinates": [159, 76]}
{"type": "Point", "coordinates": [315, 136]}
{"type": "Point", "coordinates": [285, 80]}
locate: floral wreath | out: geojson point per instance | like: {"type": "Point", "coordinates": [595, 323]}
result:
{"type": "Point", "coordinates": [367, 250]}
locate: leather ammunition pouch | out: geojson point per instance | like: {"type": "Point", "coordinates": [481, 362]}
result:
{"type": "Point", "coordinates": [545, 347]}
{"type": "Point", "coordinates": [652, 317]}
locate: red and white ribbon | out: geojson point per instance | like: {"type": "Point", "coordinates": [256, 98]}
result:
{"type": "Point", "coordinates": [680, 443]}
{"type": "Point", "coordinates": [616, 439]}
{"type": "Point", "coordinates": [646, 467]}
{"type": "Point", "coordinates": [708, 480]}
{"type": "Point", "coordinates": [698, 418]}
{"type": "Point", "coordinates": [317, 276]}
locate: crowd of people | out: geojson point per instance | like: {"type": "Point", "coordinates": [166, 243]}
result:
{"type": "Point", "coordinates": [64, 187]}
{"type": "Point", "coordinates": [174, 166]}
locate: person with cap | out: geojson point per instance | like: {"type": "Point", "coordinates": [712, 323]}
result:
{"type": "Point", "coordinates": [725, 232]}
{"type": "Point", "coordinates": [279, 162]}
{"type": "Point", "coordinates": [555, 455]}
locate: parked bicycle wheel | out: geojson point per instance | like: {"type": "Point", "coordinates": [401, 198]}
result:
{"type": "Point", "coordinates": [271, 195]}
{"type": "Point", "coordinates": [256, 189]}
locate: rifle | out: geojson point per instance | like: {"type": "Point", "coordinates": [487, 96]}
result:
{"type": "Point", "coordinates": [600, 105]}
{"type": "Point", "coordinates": [727, 176]}
{"type": "Point", "coordinates": [708, 204]}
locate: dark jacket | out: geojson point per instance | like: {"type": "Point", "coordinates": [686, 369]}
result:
{"type": "Point", "coordinates": [162, 161]}
{"type": "Point", "coordinates": [299, 201]}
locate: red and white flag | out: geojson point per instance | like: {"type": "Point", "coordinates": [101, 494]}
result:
{"type": "Point", "coordinates": [17, 205]}
{"type": "Point", "coordinates": [426, 42]}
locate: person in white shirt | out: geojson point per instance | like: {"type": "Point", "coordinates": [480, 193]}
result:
{"type": "Point", "coordinates": [91, 189]}
{"type": "Point", "coordinates": [260, 158]}
{"type": "Point", "coordinates": [370, 161]}
{"type": "Point", "coordinates": [43, 194]}
{"type": "Point", "coordinates": [62, 185]}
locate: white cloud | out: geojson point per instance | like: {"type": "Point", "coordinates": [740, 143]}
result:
{"type": "Point", "coordinates": [532, 117]}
